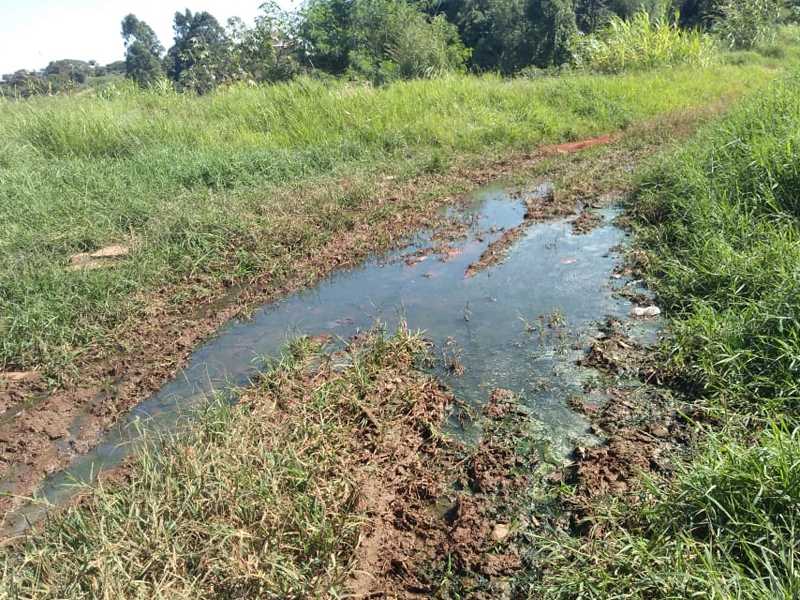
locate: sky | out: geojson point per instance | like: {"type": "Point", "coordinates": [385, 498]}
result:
{"type": "Point", "coordinates": [34, 32]}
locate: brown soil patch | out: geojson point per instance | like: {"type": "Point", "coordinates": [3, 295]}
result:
{"type": "Point", "coordinates": [641, 428]}
{"type": "Point", "coordinates": [496, 251]}
{"type": "Point", "coordinates": [149, 349]}
{"type": "Point", "coordinates": [571, 147]}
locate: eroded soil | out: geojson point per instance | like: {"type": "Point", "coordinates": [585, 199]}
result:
{"type": "Point", "coordinates": [41, 432]}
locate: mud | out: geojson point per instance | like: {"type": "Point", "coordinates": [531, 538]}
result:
{"type": "Point", "coordinates": [42, 429]}
{"type": "Point", "coordinates": [586, 221]}
{"type": "Point", "coordinates": [643, 428]}
{"type": "Point", "coordinates": [541, 204]}
{"type": "Point", "coordinates": [407, 544]}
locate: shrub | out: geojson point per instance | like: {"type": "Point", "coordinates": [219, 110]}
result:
{"type": "Point", "coordinates": [642, 43]}
{"type": "Point", "coordinates": [746, 24]}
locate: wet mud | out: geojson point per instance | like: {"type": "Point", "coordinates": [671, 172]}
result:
{"type": "Point", "coordinates": [44, 432]}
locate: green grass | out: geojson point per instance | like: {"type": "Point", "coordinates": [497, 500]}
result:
{"type": "Point", "coordinates": [723, 219]}
{"type": "Point", "coordinates": [260, 500]}
{"type": "Point", "coordinates": [233, 184]}
{"type": "Point", "coordinates": [721, 222]}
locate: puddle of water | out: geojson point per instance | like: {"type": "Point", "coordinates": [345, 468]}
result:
{"type": "Point", "coordinates": [520, 325]}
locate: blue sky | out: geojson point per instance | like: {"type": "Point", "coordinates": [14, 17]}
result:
{"type": "Point", "coordinates": [34, 32]}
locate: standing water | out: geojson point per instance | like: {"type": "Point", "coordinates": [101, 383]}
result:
{"type": "Point", "coordinates": [520, 325]}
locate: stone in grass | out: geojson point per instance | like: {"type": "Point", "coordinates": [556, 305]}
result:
{"type": "Point", "coordinates": [500, 532]}
{"type": "Point", "coordinates": [98, 259]}
{"type": "Point", "coordinates": [645, 311]}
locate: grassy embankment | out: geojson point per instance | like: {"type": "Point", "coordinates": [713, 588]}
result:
{"type": "Point", "coordinates": [721, 223]}
{"type": "Point", "coordinates": [250, 181]}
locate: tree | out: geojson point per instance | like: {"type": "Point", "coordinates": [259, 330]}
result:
{"type": "Point", "coordinates": [591, 15]}
{"type": "Point", "coordinates": [134, 30]}
{"type": "Point", "coordinates": [266, 51]}
{"type": "Point", "coordinates": [142, 52]}
{"type": "Point", "coordinates": [199, 58]}
{"type": "Point", "coordinates": [498, 32]}
{"type": "Point", "coordinates": [748, 23]}
{"type": "Point", "coordinates": [325, 35]}
{"type": "Point", "coordinates": [378, 40]}
{"type": "Point", "coordinates": [553, 27]}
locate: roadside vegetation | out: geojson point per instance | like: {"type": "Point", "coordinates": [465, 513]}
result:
{"type": "Point", "coordinates": [719, 220]}
{"type": "Point", "coordinates": [261, 500]}
{"type": "Point", "coordinates": [219, 186]}
{"type": "Point", "coordinates": [644, 43]}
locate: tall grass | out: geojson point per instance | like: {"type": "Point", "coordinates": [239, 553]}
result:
{"type": "Point", "coordinates": [218, 186]}
{"type": "Point", "coordinates": [642, 42]}
{"type": "Point", "coordinates": [723, 219]}
{"type": "Point", "coordinates": [721, 222]}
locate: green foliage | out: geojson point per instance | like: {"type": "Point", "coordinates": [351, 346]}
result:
{"type": "Point", "coordinates": [728, 527]}
{"type": "Point", "coordinates": [134, 30]}
{"type": "Point", "coordinates": [198, 59]}
{"type": "Point", "coordinates": [325, 35]}
{"type": "Point", "coordinates": [427, 48]}
{"type": "Point", "coordinates": [642, 43]}
{"type": "Point", "coordinates": [213, 185]}
{"type": "Point", "coordinates": [509, 35]}
{"type": "Point", "coordinates": [498, 33]}
{"type": "Point", "coordinates": [142, 52]}
{"type": "Point", "coordinates": [141, 65]}
{"type": "Point", "coordinates": [379, 40]}
{"type": "Point", "coordinates": [748, 23]}
{"type": "Point", "coordinates": [392, 39]}
{"type": "Point", "coordinates": [553, 28]}
{"type": "Point", "coordinates": [264, 52]}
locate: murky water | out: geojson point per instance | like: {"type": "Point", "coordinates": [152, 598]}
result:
{"type": "Point", "coordinates": [519, 325]}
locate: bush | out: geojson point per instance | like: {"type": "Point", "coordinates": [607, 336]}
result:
{"type": "Point", "coordinates": [642, 43]}
{"type": "Point", "coordinates": [744, 24]}
{"type": "Point", "coordinates": [393, 40]}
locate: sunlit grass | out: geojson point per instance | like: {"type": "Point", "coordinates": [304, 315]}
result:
{"type": "Point", "coordinates": [642, 42]}
{"type": "Point", "coordinates": [216, 186]}
{"type": "Point", "coordinates": [721, 222]}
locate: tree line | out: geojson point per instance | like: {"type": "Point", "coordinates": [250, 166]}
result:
{"type": "Point", "coordinates": [384, 40]}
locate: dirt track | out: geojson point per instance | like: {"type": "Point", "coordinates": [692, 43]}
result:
{"type": "Point", "coordinates": [42, 429]}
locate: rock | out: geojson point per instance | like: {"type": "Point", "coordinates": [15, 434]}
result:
{"type": "Point", "coordinates": [646, 311]}
{"type": "Point", "coordinates": [115, 251]}
{"type": "Point", "coordinates": [659, 431]}
{"type": "Point", "coordinates": [500, 532]}
{"type": "Point", "coordinates": [97, 259]}
{"type": "Point", "coordinates": [54, 432]}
